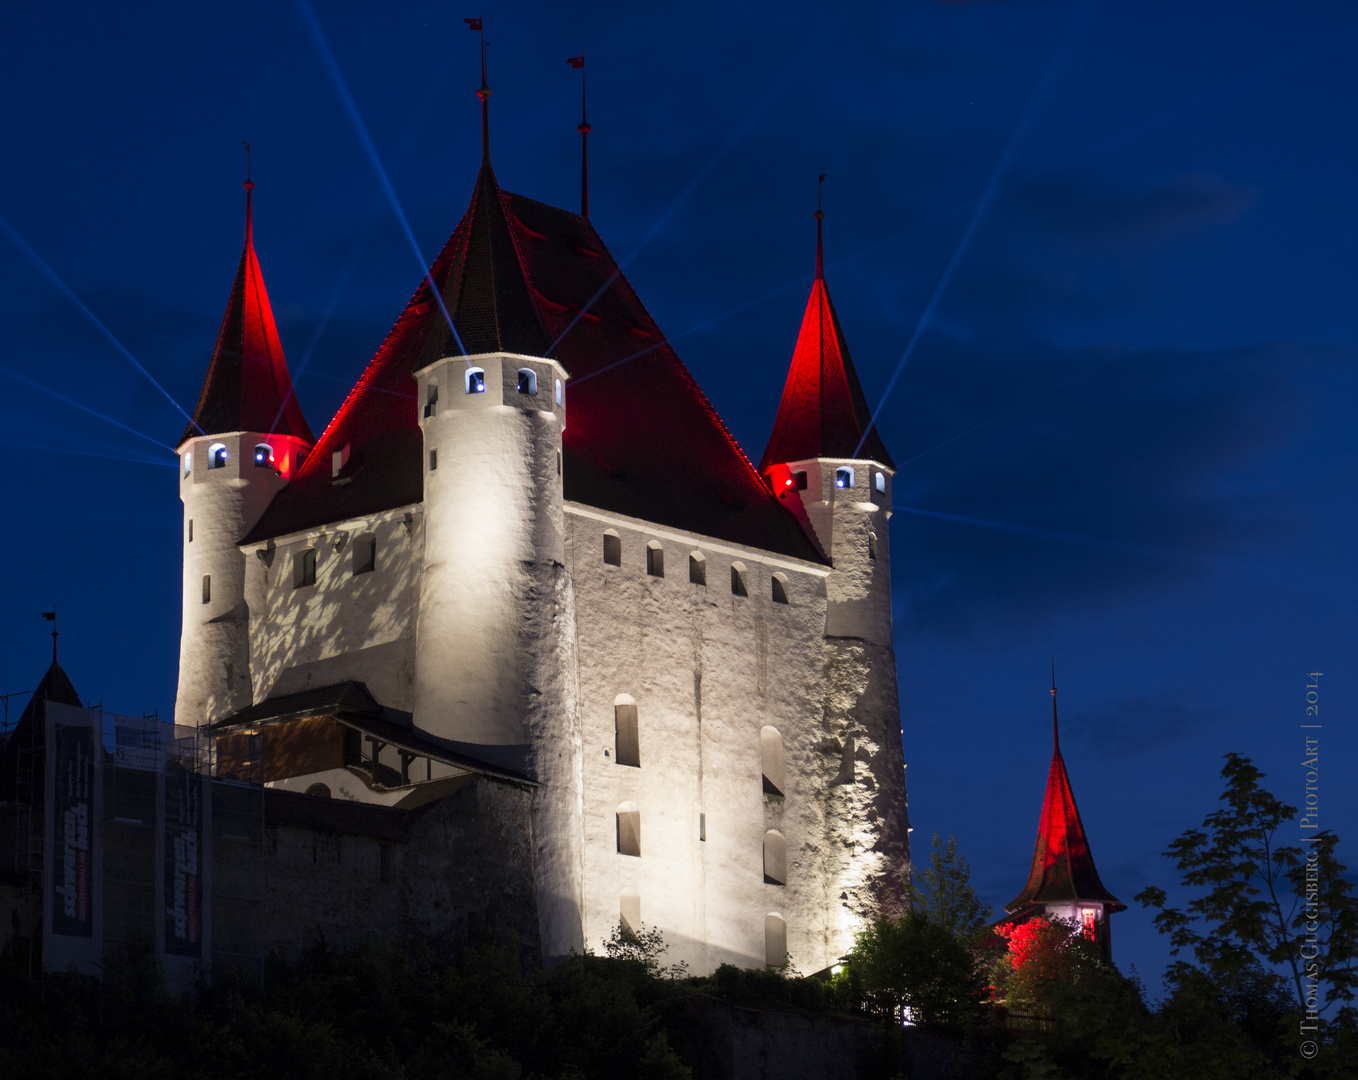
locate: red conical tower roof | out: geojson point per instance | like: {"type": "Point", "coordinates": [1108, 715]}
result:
{"type": "Point", "coordinates": [248, 387]}
{"type": "Point", "coordinates": [823, 412]}
{"type": "Point", "coordinates": [1063, 866]}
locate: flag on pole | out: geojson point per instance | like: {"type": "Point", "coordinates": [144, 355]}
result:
{"type": "Point", "coordinates": [50, 616]}
{"type": "Point", "coordinates": [576, 62]}
{"type": "Point", "coordinates": [475, 24]}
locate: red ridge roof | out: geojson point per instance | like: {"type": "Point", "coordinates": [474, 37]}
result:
{"type": "Point", "coordinates": [248, 387]}
{"type": "Point", "coordinates": [823, 412]}
{"type": "Point", "coordinates": [641, 438]}
{"type": "Point", "coordinates": [1063, 866]}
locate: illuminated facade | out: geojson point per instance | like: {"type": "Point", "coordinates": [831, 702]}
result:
{"type": "Point", "coordinates": [527, 551]}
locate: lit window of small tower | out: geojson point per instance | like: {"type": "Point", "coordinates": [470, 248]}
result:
{"type": "Point", "coordinates": [879, 482]}
{"type": "Point", "coordinates": [629, 829]}
{"type": "Point", "coordinates": [188, 463]}
{"type": "Point", "coordinates": [560, 393]}
{"type": "Point", "coordinates": [655, 559]}
{"type": "Point", "coordinates": [475, 380]}
{"type": "Point", "coordinates": [844, 477]}
{"type": "Point", "coordinates": [528, 381]}
{"type": "Point", "coordinates": [780, 588]}
{"type": "Point", "coordinates": [697, 568]}
{"type": "Point", "coordinates": [263, 456]}
{"type": "Point", "coordinates": [216, 456]}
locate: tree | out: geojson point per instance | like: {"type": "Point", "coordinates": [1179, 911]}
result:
{"type": "Point", "coordinates": [1264, 902]}
{"type": "Point", "coordinates": [912, 968]}
{"type": "Point", "coordinates": [1045, 957]}
{"type": "Point", "coordinates": [944, 894]}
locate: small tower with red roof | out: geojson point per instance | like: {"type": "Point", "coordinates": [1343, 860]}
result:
{"type": "Point", "coordinates": [1063, 882]}
{"type": "Point", "coordinates": [828, 465]}
{"type": "Point", "coordinates": [247, 438]}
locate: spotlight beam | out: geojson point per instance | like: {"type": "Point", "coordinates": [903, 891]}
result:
{"type": "Point", "coordinates": [83, 408]}
{"type": "Point", "coordinates": [1026, 122]}
{"type": "Point", "coordinates": [69, 293]}
{"type": "Point", "coordinates": [1055, 535]}
{"type": "Point", "coordinates": [341, 87]}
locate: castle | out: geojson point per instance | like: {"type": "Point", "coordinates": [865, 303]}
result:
{"type": "Point", "coordinates": [525, 576]}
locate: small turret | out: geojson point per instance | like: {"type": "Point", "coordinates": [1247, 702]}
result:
{"type": "Point", "coordinates": [247, 438]}
{"type": "Point", "coordinates": [830, 468]}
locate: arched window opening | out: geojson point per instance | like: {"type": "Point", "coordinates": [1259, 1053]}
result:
{"type": "Point", "coordinates": [207, 588]}
{"type": "Point", "coordinates": [799, 481]}
{"type": "Point", "coordinates": [655, 559]}
{"type": "Point", "coordinates": [844, 477]}
{"type": "Point", "coordinates": [475, 380]}
{"type": "Point", "coordinates": [612, 548]}
{"type": "Point", "coordinates": [775, 858]}
{"type": "Point", "coordinates": [431, 399]}
{"type": "Point", "coordinates": [771, 761]}
{"type": "Point", "coordinates": [626, 734]}
{"type": "Point", "coordinates": [629, 910]}
{"type": "Point", "coordinates": [879, 482]}
{"type": "Point", "coordinates": [738, 580]}
{"type": "Point", "coordinates": [872, 546]}
{"type": "Point", "coordinates": [216, 456]}
{"type": "Point", "coordinates": [188, 463]}
{"type": "Point", "coordinates": [528, 381]}
{"type": "Point", "coordinates": [780, 588]}
{"type": "Point", "coordinates": [304, 568]}
{"type": "Point", "coordinates": [263, 456]}
{"type": "Point", "coordinates": [775, 941]}
{"type": "Point", "coordinates": [321, 791]}
{"type": "Point", "coordinates": [365, 554]}
{"type": "Point", "coordinates": [560, 393]}
{"type": "Point", "coordinates": [697, 568]}
{"type": "Point", "coordinates": [629, 829]}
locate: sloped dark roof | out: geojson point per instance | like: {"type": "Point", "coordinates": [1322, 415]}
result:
{"type": "Point", "coordinates": [27, 732]}
{"type": "Point", "coordinates": [641, 438]}
{"type": "Point", "coordinates": [248, 387]}
{"type": "Point", "coordinates": [823, 412]}
{"type": "Point", "coordinates": [1063, 866]}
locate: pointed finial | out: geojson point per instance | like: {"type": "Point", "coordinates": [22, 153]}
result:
{"type": "Point", "coordinates": [51, 616]}
{"type": "Point", "coordinates": [578, 62]}
{"type": "Point", "coordinates": [477, 26]}
{"type": "Point", "coordinates": [820, 216]}
{"type": "Point", "coordinates": [1056, 734]}
{"type": "Point", "coordinates": [249, 186]}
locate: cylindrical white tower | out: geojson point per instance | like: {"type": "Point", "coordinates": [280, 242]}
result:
{"type": "Point", "coordinates": [225, 483]}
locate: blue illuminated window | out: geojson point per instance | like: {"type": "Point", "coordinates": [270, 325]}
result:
{"type": "Point", "coordinates": [528, 381]}
{"type": "Point", "coordinates": [476, 381]}
{"type": "Point", "coordinates": [216, 456]}
{"type": "Point", "coordinates": [263, 456]}
{"type": "Point", "coordinates": [844, 477]}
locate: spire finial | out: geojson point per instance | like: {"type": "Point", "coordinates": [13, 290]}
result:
{"type": "Point", "coordinates": [51, 616]}
{"type": "Point", "coordinates": [483, 93]}
{"type": "Point", "coordinates": [1056, 734]}
{"type": "Point", "coordinates": [249, 186]}
{"type": "Point", "coordinates": [820, 216]}
{"type": "Point", "coordinates": [578, 62]}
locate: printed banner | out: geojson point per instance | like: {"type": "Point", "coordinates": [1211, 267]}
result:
{"type": "Point", "coordinates": [72, 862]}
{"type": "Point", "coordinates": [183, 861]}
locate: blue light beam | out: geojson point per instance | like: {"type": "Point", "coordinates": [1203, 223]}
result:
{"type": "Point", "coordinates": [332, 69]}
{"type": "Point", "coordinates": [66, 290]}
{"type": "Point", "coordinates": [1024, 127]}
{"type": "Point", "coordinates": [83, 408]}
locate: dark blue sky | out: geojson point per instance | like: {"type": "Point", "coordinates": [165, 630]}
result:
{"type": "Point", "coordinates": [1136, 385]}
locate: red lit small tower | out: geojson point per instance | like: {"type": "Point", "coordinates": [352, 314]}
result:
{"type": "Point", "coordinates": [245, 441]}
{"type": "Point", "coordinates": [1063, 881]}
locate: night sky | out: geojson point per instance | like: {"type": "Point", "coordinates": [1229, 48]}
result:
{"type": "Point", "coordinates": [1114, 243]}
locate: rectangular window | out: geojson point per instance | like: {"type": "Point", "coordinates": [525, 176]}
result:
{"type": "Point", "coordinates": [190, 530]}
{"type": "Point", "coordinates": [207, 588]}
{"type": "Point", "coordinates": [365, 554]}
{"type": "Point", "coordinates": [627, 744]}
{"type": "Point", "coordinates": [304, 568]}
{"type": "Point", "coordinates": [702, 827]}
{"type": "Point", "coordinates": [629, 833]}
{"type": "Point", "coordinates": [433, 460]}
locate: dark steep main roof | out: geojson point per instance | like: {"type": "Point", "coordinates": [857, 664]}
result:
{"type": "Point", "coordinates": [248, 387]}
{"type": "Point", "coordinates": [641, 438]}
